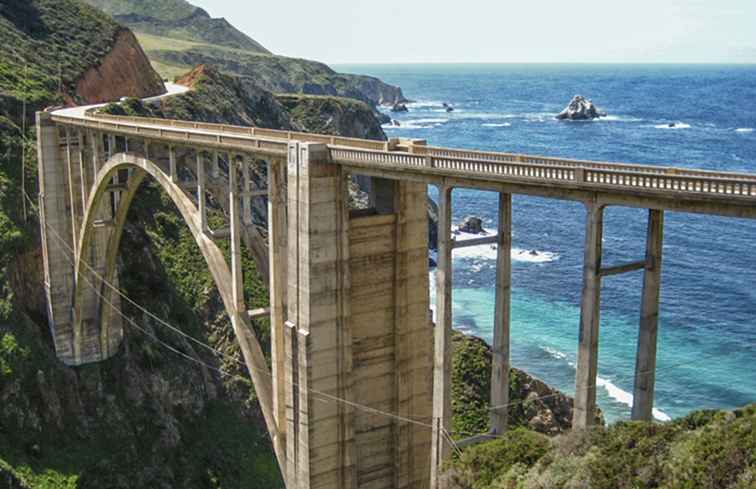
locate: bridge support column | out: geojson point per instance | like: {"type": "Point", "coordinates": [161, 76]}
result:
{"type": "Point", "coordinates": [645, 363]}
{"type": "Point", "coordinates": [500, 363]}
{"type": "Point", "coordinates": [440, 449]}
{"type": "Point", "coordinates": [55, 221]}
{"type": "Point", "coordinates": [320, 439]}
{"type": "Point", "coordinates": [584, 413]}
{"type": "Point", "coordinates": [277, 282]}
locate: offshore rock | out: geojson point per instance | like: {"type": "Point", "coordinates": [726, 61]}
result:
{"type": "Point", "coordinates": [399, 108]}
{"type": "Point", "coordinates": [472, 225]}
{"type": "Point", "coordinates": [580, 109]}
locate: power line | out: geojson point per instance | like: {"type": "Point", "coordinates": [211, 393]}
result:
{"type": "Point", "coordinates": [315, 392]}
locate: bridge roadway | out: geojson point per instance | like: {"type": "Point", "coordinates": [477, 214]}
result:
{"type": "Point", "coordinates": [349, 298]}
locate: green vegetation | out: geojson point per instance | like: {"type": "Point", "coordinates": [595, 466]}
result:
{"type": "Point", "coordinates": [39, 49]}
{"type": "Point", "coordinates": [178, 36]}
{"type": "Point", "coordinates": [177, 19]}
{"type": "Point", "coordinates": [221, 98]}
{"type": "Point", "coordinates": [166, 10]}
{"type": "Point", "coordinates": [704, 450]}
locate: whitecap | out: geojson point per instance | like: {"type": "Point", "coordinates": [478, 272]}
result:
{"type": "Point", "coordinates": [626, 398]}
{"type": "Point", "coordinates": [677, 125]}
{"type": "Point", "coordinates": [429, 123]}
{"type": "Point", "coordinates": [504, 124]}
{"type": "Point", "coordinates": [744, 129]}
{"type": "Point", "coordinates": [419, 104]}
{"type": "Point", "coordinates": [553, 352]}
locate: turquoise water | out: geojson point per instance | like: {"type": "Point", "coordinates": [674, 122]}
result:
{"type": "Point", "coordinates": [707, 343]}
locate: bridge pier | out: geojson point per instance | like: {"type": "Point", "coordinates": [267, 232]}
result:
{"type": "Point", "coordinates": [645, 364]}
{"type": "Point", "coordinates": [584, 413]}
{"type": "Point", "coordinates": [500, 360]}
{"type": "Point", "coordinates": [442, 414]}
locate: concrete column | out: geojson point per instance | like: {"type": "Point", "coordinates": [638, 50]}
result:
{"type": "Point", "coordinates": [237, 276]}
{"type": "Point", "coordinates": [247, 187]}
{"type": "Point", "coordinates": [277, 284]}
{"type": "Point", "coordinates": [500, 361]}
{"type": "Point", "coordinates": [320, 454]}
{"type": "Point", "coordinates": [201, 191]}
{"type": "Point", "coordinates": [413, 335]}
{"type": "Point", "coordinates": [55, 224]}
{"type": "Point", "coordinates": [215, 169]}
{"type": "Point", "coordinates": [440, 449]}
{"type": "Point", "coordinates": [584, 414]}
{"type": "Point", "coordinates": [172, 167]}
{"type": "Point", "coordinates": [645, 362]}
{"type": "Point", "coordinates": [74, 184]}
{"type": "Point", "coordinates": [86, 177]}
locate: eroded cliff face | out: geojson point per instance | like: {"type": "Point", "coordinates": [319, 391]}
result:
{"type": "Point", "coordinates": [124, 72]}
{"type": "Point", "coordinates": [332, 115]}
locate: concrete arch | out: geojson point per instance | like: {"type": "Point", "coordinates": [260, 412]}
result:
{"type": "Point", "coordinates": [88, 307]}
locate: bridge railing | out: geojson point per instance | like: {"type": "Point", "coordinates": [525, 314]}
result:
{"type": "Point", "coordinates": [397, 155]}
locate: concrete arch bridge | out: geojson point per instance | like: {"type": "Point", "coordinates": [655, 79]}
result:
{"type": "Point", "coordinates": [349, 302]}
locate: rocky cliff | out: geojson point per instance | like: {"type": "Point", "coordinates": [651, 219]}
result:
{"type": "Point", "coordinates": [333, 115]}
{"type": "Point", "coordinates": [535, 405]}
{"type": "Point", "coordinates": [215, 42]}
{"type": "Point", "coordinates": [124, 71]}
{"type": "Point", "coordinates": [44, 61]}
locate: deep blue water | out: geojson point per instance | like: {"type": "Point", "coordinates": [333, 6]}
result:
{"type": "Point", "coordinates": [707, 343]}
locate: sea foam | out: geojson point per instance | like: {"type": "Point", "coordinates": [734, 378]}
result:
{"type": "Point", "coordinates": [504, 124]}
{"type": "Point", "coordinates": [678, 125]}
{"type": "Point", "coordinates": [611, 389]}
{"type": "Point", "coordinates": [489, 252]}
{"type": "Point", "coordinates": [744, 129]}
{"type": "Point", "coordinates": [626, 398]}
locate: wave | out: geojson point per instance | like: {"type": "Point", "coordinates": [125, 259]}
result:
{"type": "Point", "coordinates": [614, 392]}
{"type": "Point", "coordinates": [744, 129]}
{"type": "Point", "coordinates": [489, 252]}
{"type": "Point", "coordinates": [677, 125]}
{"type": "Point", "coordinates": [419, 104]}
{"type": "Point", "coordinates": [626, 398]}
{"type": "Point", "coordinates": [503, 124]}
{"type": "Point", "coordinates": [429, 123]}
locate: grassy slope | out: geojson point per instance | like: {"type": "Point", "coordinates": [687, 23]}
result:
{"type": "Point", "coordinates": [704, 450]}
{"type": "Point", "coordinates": [177, 19]}
{"type": "Point", "coordinates": [37, 44]}
{"type": "Point", "coordinates": [168, 10]}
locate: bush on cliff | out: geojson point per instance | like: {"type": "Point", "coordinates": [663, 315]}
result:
{"type": "Point", "coordinates": [705, 450]}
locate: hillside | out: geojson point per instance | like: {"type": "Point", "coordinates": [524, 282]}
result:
{"type": "Point", "coordinates": [704, 450]}
{"type": "Point", "coordinates": [167, 30]}
{"type": "Point", "coordinates": [43, 55]}
{"type": "Point", "coordinates": [177, 19]}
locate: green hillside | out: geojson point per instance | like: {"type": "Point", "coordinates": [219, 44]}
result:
{"type": "Point", "coordinates": [178, 36]}
{"type": "Point", "coordinates": [39, 51]}
{"type": "Point", "coordinates": [177, 19]}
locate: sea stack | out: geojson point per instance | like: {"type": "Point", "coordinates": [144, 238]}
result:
{"type": "Point", "coordinates": [398, 107]}
{"type": "Point", "coordinates": [580, 109]}
{"type": "Point", "coordinates": [472, 225]}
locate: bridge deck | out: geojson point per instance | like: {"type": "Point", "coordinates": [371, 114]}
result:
{"type": "Point", "coordinates": [724, 193]}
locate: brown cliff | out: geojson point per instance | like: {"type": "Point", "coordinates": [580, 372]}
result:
{"type": "Point", "coordinates": [124, 72]}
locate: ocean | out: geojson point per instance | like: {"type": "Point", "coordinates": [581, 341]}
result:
{"type": "Point", "coordinates": [707, 339]}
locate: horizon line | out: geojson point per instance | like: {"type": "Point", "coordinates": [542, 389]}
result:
{"type": "Point", "coordinates": [667, 63]}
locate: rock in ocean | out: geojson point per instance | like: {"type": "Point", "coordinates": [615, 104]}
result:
{"type": "Point", "coordinates": [580, 109]}
{"type": "Point", "coordinates": [399, 108]}
{"type": "Point", "coordinates": [472, 225]}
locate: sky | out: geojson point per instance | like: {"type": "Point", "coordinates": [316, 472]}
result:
{"type": "Point", "coordinates": [480, 31]}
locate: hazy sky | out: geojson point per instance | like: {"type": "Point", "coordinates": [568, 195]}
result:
{"type": "Point", "coordinates": [338, 31]}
